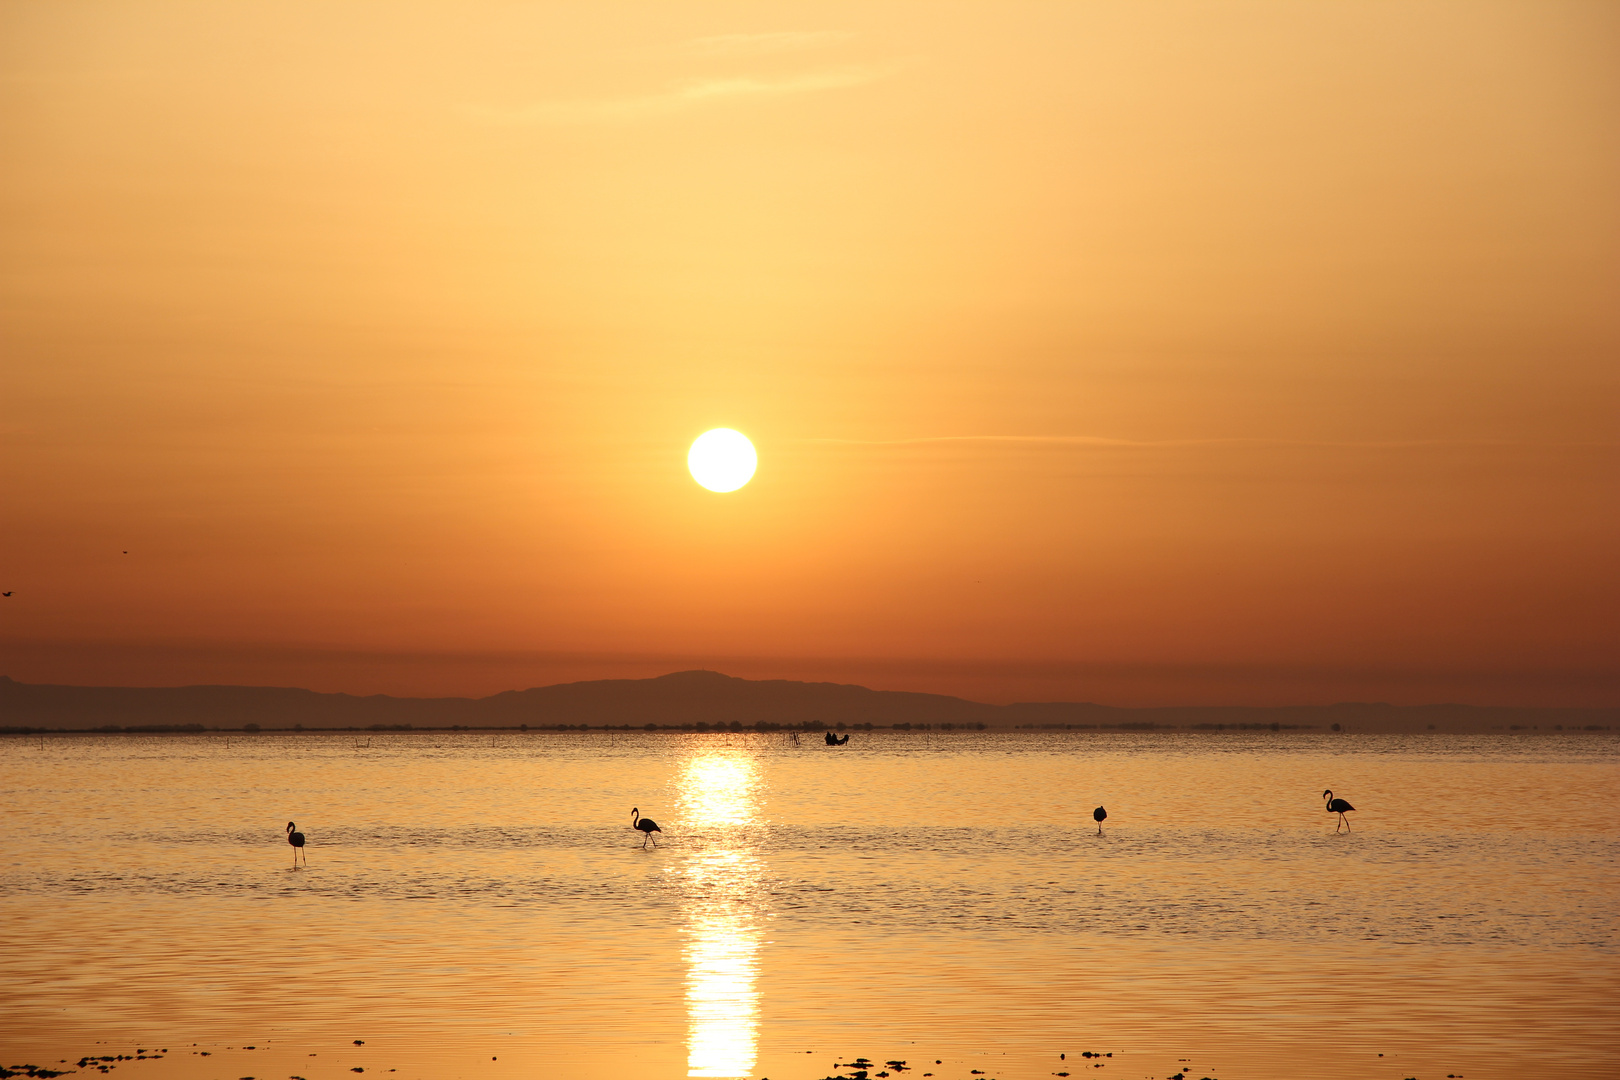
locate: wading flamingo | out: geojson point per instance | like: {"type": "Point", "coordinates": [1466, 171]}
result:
{"type": "Point", "coordinates": [646, 824]}
{"type": "Point", "coordinates": [1337, 806]}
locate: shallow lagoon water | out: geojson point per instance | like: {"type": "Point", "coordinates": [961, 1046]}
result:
{"type": "Point", "coordinates": [476, 904]}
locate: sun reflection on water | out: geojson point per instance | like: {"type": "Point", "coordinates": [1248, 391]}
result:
{"type": "Point", "coordinates": [719, 793]}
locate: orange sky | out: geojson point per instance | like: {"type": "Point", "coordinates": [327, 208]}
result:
{"type": "Point", "coordinates": [1143, 354]}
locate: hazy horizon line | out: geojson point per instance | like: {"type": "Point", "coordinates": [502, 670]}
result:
{"type": "Point", "coordinates": [869, 671]}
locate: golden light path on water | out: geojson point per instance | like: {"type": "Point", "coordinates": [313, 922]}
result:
{"type": "Point", "coordinates": [719, 797]}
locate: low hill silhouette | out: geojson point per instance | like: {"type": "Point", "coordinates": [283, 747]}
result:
{"type": "Point", "coordinates": [700, 700]}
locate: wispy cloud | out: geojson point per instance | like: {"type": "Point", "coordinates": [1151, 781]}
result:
{"type": "Point", "coordinates": [1099, 442]}
{"type": "Point", "coordinates": [679, 96]}
{"type": "Point", "coordinates": [755, 44]}
{"type": "Point", "coordinates": [78, 75]}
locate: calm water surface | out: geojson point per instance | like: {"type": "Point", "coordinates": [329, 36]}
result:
{"type": "Point", "coordinates": [477, 905]}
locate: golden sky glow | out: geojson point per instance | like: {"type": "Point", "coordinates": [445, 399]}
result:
{"type": "Point", "coordinates": [1131, 353]}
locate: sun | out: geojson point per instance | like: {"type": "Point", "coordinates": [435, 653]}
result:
{"type": "Point", "coordinates": [722, 459]}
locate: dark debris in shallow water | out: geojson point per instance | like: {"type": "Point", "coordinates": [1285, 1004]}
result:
{"type": "Point", "coordinates": [103, 1063]}
{"type": "Point", "coordinates": [864, 1068]}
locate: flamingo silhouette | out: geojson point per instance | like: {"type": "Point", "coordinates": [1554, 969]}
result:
{"type": "Point", "coordinates": [1099, 815]}
{"type": "Point", "coordinates": [646, 824]}
{"type": "Point", "coordinates": [1337, 806]}
{"type": "Point", "coordinates": [296, 839]}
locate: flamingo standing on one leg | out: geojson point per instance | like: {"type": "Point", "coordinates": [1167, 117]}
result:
{"type": "Point", "coordinates": [1099, 815]}
{"type": "Point", "coordinates": [296, 839]}
{"type": "Point", "coordinates": [646, 824]}
{"type": "Point", "coordinates": [1337, 806]}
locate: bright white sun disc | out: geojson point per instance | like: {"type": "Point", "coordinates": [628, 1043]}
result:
{"type": "Point", "coordinates": [722, 459]}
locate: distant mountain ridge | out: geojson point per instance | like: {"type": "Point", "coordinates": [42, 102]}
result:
{"type": "Point", "coordinates": [698, 700]}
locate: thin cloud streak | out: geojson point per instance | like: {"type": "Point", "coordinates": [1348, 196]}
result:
{"type": "Point", "coordinates": [1102, 442]}
{"type": "Point", "coordinates": [681, 96]}
{"type": "Point", "coordinates": [774, 42]}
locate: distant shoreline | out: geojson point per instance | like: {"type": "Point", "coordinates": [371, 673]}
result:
{"type": "Point", "coordinates": [699, 701]}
